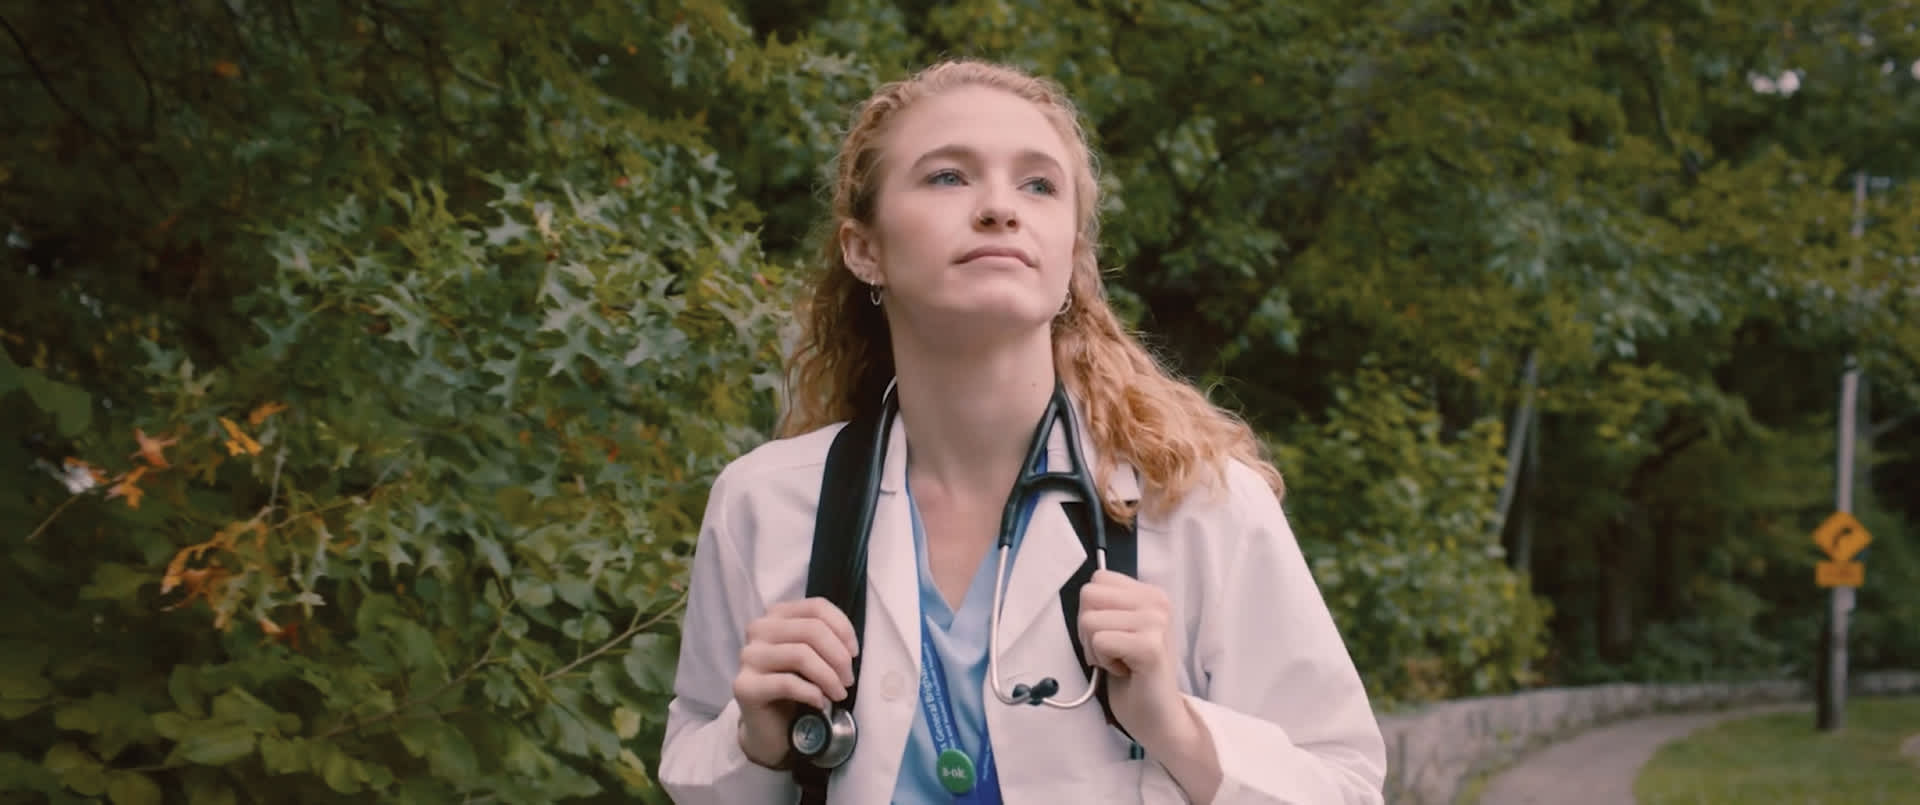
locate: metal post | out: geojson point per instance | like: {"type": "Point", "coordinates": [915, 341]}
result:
{"type": "Point", "coordinates": [1833, 698]}
{"type": "Point", "coordinates": [1830, 714]}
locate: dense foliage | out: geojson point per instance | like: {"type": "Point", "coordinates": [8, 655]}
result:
{"type": "Point", "coordinates": [368, 362]}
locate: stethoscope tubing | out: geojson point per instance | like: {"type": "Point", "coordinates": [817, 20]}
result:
{"type": "Point", "coordinates": [1030, 482]}
{"type": "Point", "coordinates": [833, 734]}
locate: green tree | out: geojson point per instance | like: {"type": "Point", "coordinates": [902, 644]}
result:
{"type": "Point", "coordinates": [385, 355]}
{"type": "Point", "coordinates": [368, 362]}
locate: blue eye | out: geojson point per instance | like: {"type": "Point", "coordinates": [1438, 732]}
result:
{"type": "Point", "coordinates": [1043, 186]}
{"type": "Point", "coordinates": [940, 176]}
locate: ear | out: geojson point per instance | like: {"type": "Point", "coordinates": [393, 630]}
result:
{"type": "Point", "coordinates": [861, 253]}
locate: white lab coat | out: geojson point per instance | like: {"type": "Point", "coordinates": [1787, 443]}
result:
{"type": "Point", "coordinates": [1263, 665]}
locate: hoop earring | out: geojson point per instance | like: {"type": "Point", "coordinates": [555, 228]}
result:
{"type": "Point", "coordinates": [873, 295]}
{"type": "Point", "coordinates": [1065, 304]}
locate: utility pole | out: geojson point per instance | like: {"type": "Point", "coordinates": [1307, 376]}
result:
{"type": "Point", "coordinates": [1517, 434]}
{"type": "Point", "coordinates": [1831, 713]}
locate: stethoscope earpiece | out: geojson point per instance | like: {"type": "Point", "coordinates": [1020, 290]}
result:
{"type": "Point", "coordinates": [825, 739]}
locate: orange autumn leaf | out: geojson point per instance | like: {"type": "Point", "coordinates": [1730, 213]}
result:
{"type": "Point", "coordinates": [265, 410]}
{"type": "Point", "coordinates": [205, 584]}
{"type": "Point", "coordinates": [226, 69]}
{"type": "Point", "coordinates": [177, 572]}
{"type": "Point", "coordinates": [238, 441]}
{"type": "Point", "coordinates": [129, 488]}
{"type": "Point", "coordinates": [267, 625]}
{"type": "Point", "coordinates": [150, 448]}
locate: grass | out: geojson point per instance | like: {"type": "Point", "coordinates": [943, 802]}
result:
{"type": "Point", "coordinates": [1780, 759]}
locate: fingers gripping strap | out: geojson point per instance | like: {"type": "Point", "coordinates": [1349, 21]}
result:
{"type": "Point", "coordinates": [1123, 557]}
{"type": "Point", "coordinates": [837, 567]}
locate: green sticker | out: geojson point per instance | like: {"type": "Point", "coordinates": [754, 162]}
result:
{"type": "Point", "coordinates": [956, 771]}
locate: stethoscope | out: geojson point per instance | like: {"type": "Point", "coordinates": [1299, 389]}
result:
{"type": "Point", "coordinates": [827, 739]}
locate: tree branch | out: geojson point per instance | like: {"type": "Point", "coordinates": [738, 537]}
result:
{"type": "Point", "coordinates": [408, 704]}
{"type": "Point", "coordinates": [1880, 429]}
{"type": "Point", "coordinates": [140, 69]}
{"type": "Point", "coordinates": [634, 627]}
{"type": "Point", "coordinates": [46, 81]}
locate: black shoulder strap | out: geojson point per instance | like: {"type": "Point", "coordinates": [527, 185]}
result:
{"type": "Point", "coordinates": [1123, 557]}
{"type": "Point", "coordinates": [837, 568]}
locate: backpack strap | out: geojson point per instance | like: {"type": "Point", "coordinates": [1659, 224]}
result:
{"type": "Point", "coordinates": [837, 568]}
{"type": "Point", "coordinates": [1123, 557]}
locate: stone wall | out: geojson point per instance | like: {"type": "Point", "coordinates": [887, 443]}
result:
{"type": "Point", "coordinates": [1433, 751]}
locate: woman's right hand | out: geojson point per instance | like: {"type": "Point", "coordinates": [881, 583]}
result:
{"type": "Point", "coordinates": [800, 652]}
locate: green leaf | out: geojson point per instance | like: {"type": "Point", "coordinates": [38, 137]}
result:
{"type": "Point", "coordinates": [78, 716]}
{"type": "Point", "coordinates": [650, 664]}
{"type": "Point", "coordinates": [21, 773]}
{"type": "Point", "coordinates": [216, 745]}
{"type": "Point", "coordinates": [532, 592]}
{"type": "Point", "coordinates": [626, 723]}
{"type": "Point", "coordinates": [76, 768]}
{"type": "Point", "coordinates": [448, 753]}
{"type": "Point", "coordinates": [71, 406]}
{"type": "Point", "coordinates": [237, 706]}
{"type": "Point", "coordinates": [20, 677]}
{"type": "Point", "coordinates": [341, 772]}
{"type": "Point", "coordinates": [173, 726]}
{"type": "Point", "coordinates": [286, 755]}
{"type": "Point", "coordinates": [11, 709]}
{"type": "Point", "coordinates": [66, 757]}
{"type": "Point", "coordinates": [208, 790]}
{"type": "Point", "coordinates": [11, 375]}
{"type": "Point", "coordinates": [113, 581]}
{"type": "Point", "coordinates": [574, 590]}
{"type": "Point", "coordinates": [132, 788]}
{"type": "Point", "coordinates": [180, 687]}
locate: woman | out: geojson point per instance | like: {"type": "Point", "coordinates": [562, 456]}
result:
{"type": "Point", "coordinates": [961, 278]}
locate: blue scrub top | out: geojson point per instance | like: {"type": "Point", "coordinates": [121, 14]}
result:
{"type": "Point", "coordinates": [961, 640]}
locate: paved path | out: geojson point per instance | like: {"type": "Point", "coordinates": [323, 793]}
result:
{"type": "Point", "coordinates": [1598, 767]}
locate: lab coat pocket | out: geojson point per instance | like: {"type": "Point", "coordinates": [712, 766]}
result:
{"type": "Point", "coordinates": [1137, 782]}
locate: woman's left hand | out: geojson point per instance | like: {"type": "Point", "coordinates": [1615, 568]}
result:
{"type": "Point", "coordinates": [1124, 625]}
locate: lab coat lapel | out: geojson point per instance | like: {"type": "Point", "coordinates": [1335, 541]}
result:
{"type": "Point", "coordinates": [893, 572]}
{"type": "Point", "coordinates": [1048, 556]}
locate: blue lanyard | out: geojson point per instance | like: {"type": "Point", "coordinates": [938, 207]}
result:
{"type": "Point", "coordinates": [946, 733]}
{"type": "Point", "coordinates": [938, 708]}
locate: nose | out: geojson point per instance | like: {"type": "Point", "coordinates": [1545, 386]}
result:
{"type": "Point", "coordinates": [994, 215]}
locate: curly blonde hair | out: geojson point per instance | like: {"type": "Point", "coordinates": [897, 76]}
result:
{"type": "Point", "coordinates": [1134, 409]}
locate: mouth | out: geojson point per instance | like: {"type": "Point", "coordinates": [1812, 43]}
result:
{"type": "Point", "coordinates": [997, 251]}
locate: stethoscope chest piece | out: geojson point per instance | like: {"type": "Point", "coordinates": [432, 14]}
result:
{"type": "Point", "coordinates": [826, 739]}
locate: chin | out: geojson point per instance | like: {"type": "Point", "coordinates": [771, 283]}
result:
{"type": "Point", "coordinates": [981, 324]}
{"type": "Point", "coordinates": [999, 311]}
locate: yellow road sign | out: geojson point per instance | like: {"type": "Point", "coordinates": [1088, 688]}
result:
{"type": "Point", "coordinates": [1842, 537]}
{"type": "Point", "coordinates": [1839, 574]}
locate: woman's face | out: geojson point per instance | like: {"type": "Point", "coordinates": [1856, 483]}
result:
{"type": "Point", "coordinates": [974, 224]}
